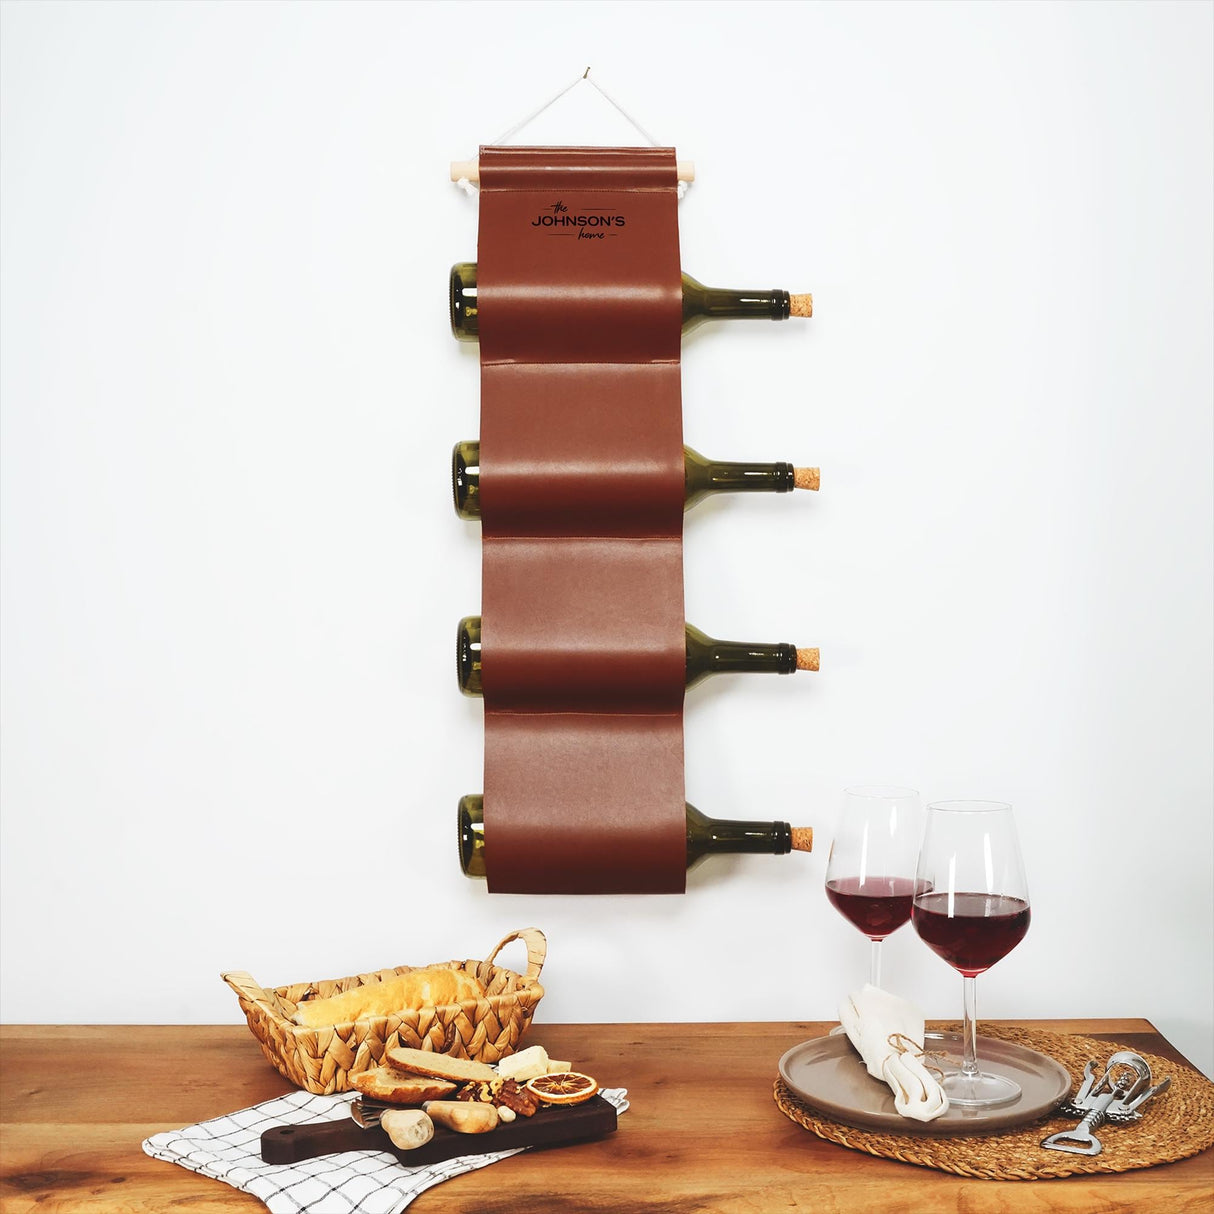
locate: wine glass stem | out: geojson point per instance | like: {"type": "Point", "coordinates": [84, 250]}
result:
{"type": "Point", "coordinates": [969, 1062]}
{"type": "Point", "coordinates": [874, 963]}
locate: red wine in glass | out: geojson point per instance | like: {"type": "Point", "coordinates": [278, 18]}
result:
{"type": "Point", "coordinates": [972, 909]}
{"type": "Point", "coordinates": [870, 876]}
{"type": "Point", "coordinates": [971, 931]}
{"type": "Point", "coordinates": [876, 905]}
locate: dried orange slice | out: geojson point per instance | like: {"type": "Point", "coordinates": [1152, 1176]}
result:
{"type": "Point", "coordinates": [563, 1087]}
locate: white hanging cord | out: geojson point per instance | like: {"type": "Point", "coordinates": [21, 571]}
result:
{"type": "Point", "coordinates": [465, 183]}
{"type": "Point", "coordinates": [653, 143]}
{"type": "Point", "coordinates": [518, 126]}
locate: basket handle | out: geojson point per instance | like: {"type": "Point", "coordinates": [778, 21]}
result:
{"type": "Point", "coordinates": [243, 984]}
{"type": "Point", "coordinates": [537, 949]}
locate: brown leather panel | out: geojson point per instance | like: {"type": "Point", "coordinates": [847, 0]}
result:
{"type": "Point", "coordinates": [584, 804]}
{"type": "Point", "coordinates": [583, 625]}
{"type": "Point", "coordinates": [583, 449]}
{"type": "Point", "coordinates": [580, 266]}
{"type": "Point", "coordinates": [579, 302]}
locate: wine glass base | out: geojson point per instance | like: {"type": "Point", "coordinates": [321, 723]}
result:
{"type": "Point", "coordinates": [981, 1091]}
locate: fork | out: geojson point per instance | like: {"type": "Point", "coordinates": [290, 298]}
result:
{"type": "Point", "coordinates": [368, 1112]}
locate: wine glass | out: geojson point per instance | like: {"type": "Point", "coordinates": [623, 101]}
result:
{"type": "Point", "coordinates": [870, 876]}
{"type": "Point", "coordinates": [971, 907]}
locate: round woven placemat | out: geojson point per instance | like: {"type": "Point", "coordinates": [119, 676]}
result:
{"type": "Point", "coordinates": [1177, 1123]}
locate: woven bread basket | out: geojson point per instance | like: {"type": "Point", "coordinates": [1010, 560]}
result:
{"type": "Point", "coordinates": [321, 1060]}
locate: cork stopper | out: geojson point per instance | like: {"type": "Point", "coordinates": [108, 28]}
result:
{"type": "Point", "coordinates": [806, 478]}
{"type": "Point", "coordinates": [802, 838]}
{"type": "Point", "coordinates": [801, 305]}
{"type": "Point", "coordinates": [807, 659]}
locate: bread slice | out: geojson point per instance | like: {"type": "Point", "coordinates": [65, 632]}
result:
{"type": "Point", "coordinates": [439, 1066]}
{"type": "Point", "coordinates": [398, 1087]}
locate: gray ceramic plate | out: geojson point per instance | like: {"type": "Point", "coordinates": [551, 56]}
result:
{"type": "Point", "coordinates": [830, 1076]}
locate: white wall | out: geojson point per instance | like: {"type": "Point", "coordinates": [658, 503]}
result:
{"type": "Point", "coordinates": [231, 572]}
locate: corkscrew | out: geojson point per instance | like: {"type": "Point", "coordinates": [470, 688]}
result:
{"type": "Point", "coordinates": [1116, 1096]}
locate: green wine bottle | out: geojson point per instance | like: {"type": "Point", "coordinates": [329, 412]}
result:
{"type": "Point", "coordinates": [700, 303]}
{"type": "Point", "coordinates": [705, 836]}
{"type": "Point", "coordinates": [700, 478]}
{"type": "Point", "coordinates": [705, 656]}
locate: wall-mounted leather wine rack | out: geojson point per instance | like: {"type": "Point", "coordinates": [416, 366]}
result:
{"type": "Point", "coordinates": [579, 310]}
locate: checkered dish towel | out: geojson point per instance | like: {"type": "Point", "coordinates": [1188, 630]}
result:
{"type": "Point", "coordinates": [228, 1148]}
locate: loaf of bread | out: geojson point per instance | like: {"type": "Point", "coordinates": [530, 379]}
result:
{"type": "Point", "coordinates": [418, 988]}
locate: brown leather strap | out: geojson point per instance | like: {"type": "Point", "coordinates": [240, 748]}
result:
{"type": "Point", "coordinates": [580, 308]}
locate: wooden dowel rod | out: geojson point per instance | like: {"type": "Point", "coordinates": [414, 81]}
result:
{"type": "Point", "coordinates": [469, 170]}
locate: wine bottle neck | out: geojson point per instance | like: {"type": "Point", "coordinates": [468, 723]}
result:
{"type": "Point", "coordinates": [719, 836]}
{"type": "Point", "coordinates": [707, 656]}
{"type": "Point", "coordinates": [721, 303]}
{"type": "Point", "coordinates": [720, 476]}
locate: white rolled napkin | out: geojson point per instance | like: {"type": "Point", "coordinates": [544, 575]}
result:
{"type": "Point", "coordinates": [883, 1028]}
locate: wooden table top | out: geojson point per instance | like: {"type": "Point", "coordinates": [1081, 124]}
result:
{"type": "Point", "coordinates": [703, 1133]}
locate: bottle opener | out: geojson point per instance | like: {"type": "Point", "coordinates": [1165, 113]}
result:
{"type": "Point", "coordinates": [1116, 1096]}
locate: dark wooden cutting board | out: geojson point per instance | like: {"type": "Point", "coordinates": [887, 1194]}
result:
{"type": "Point", "coordinates": [551, 1126]}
